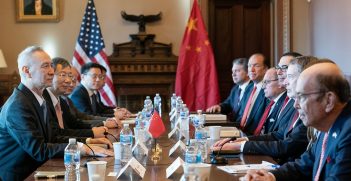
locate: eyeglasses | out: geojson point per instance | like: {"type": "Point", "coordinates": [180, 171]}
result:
{"type": "Point", "coordinates": [283, 67]}
{"type": "Point", "coordinates": [302, 96]}
{"type": "Point", "coordinates": [65, 75]}
{"type": "Point", "coordinates": [265, 82]}
{"type": "Point", "coordinates": [95, 76]}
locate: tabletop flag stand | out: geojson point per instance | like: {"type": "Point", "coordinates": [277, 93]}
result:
{"type": "Point", "coordinates": [156, 129]}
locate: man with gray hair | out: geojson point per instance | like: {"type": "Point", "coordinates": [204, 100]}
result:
{"type": "Point", "coordinates": [26, 138]}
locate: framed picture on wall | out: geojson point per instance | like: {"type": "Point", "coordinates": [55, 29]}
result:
{"type": "Point", "coordinates": [37, 10]}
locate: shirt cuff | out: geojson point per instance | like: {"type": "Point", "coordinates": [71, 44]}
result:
{"type": "Point", "coordinates": [81, 148]}
{"type": "Point", "coordinates": [242, 144]}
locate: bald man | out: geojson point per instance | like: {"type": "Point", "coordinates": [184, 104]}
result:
{"type": "Point", "coordinates": [322, 99]}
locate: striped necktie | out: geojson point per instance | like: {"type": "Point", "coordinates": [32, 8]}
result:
{"type": "Point", "coordinates": [324, 146]}
{"type": "Point", "coordinates": [246, 111]}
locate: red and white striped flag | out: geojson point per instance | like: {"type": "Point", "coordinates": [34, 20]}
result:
{"type": "Point", "coordinates": [90, 47]}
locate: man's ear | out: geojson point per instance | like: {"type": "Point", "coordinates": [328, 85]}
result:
{"type": "Point", "coordinates": [331, 99]}
{"type": "Point", "coordinates": [25, 70]}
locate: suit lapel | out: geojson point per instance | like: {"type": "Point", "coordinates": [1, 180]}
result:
{"type": "Point", "coordinates": [39, 111]}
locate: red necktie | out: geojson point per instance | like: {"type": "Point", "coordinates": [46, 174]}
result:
{"type": "Point", "coordinates": [286, 100]}
{"type": "Point", "coordinates": [263, 119]}
{"type": "Point", "coordinates": [246, 111]}
{"type": "Point", "coordinates": [295, 118]}
{"type": "Point", "coordinates": [324, 145]}
{"type": "Point", "coordinates": [59, 114]}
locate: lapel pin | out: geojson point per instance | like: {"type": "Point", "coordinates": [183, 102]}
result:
{"type": "Point", "coordinates": [334, 135]}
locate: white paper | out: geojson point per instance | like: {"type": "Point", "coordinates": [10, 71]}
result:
{"type": "Point", "coordinates": [136, 166]}
{"type": "Point", "coordinates": [142, 146]}
{"type": "Point", "coordinates": [172, 132]}
{"type": "Point", "coordinates": [174, 166]}
{"type": "Point", "coordinates": [243, 168]}
{"type": "Point", "coordinates": [112, 174]}
{"type": "Point", "coordinates": [174, 147]}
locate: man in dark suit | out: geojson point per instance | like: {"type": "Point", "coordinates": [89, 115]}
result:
{"type": "Point", "coordinates": [26, 137]}
{"type": "Point", "coordinates": [37, 7]}
{"type": "Point", "coordinates": [63, 121]}
{"type": "Point", "coordinates": [289, 141]}
{"type": "Point", "coordinates": [235, 101]}
{"type": "Point", "coordinates": [85, 96]}
{"type": "Point", "coordinates": [323, 102]}
{"type": "Point", "coordinates": [256, 101]}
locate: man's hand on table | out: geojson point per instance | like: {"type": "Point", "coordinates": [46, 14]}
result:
{"type": "Point", "coordinates": [235, 146]}
{"type": "Point", "coordinates": [258, 175]}
{"type": "Point", "coordinates": [99, 141]}
{"type": "Point", "coordinates": [98, 151]}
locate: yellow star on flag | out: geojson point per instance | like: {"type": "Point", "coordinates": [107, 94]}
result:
{"type": "Point", "coordinates": [192, 24]}
{"type": "Point", "coordinates": [207, 42]}
{"type": "Point", "coordinates": [198, 49]}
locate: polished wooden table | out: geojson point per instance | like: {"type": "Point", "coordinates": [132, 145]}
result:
{"type": "Point", "coordinates": [155, 170]}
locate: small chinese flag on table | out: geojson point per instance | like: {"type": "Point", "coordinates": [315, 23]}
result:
{"type": "Point", "coordinates": [156, 128]}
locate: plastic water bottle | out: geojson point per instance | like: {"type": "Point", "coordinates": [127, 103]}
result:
{"type": "Point", "coordinates": [72, 160]}
{"type": "Point", "coordinates": [192, 152]}
{"type": "Point", "coordinates": [126, 139]}
{"type": "Point", "coordinates": [173, 101]}
{"type": "Point", "coordinates": [184, 122]}
{"type": "Point", "coordinates": [148, 106]}
{"type": "Point", "coordinates": [201, 134]}
{"type": "Point", "coordinates": [158, 103]}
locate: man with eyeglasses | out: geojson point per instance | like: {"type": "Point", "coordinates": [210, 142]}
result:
{"type": "Point", "coordinates": [323, 102]}
{"type": "Point", "coordinates": [85, 96]}
{"type": "Point", "coordinates": [235, 101]}
{"type": "Point", "coordinates": [26, 137]}
{"type": "Point", "coordinates": [256, 101]}
{"type": "Point", "coordinates": [62, 120]}
{"type": "Point", "coordinates": [289, 141]}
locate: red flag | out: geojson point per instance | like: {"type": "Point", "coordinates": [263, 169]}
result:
{"type": "Point", "coordinates": [156, 127]}
{"type": "Point", "coordinates": [90, 47]}
{"type": "Point", "coordinates": [196, 80]}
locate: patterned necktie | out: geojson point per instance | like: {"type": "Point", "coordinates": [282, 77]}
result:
{"type": "Point", "coordinates": [94, 103]}
{"type": "Point", "coordinates": [286, 100]}
{"type": "Point", "coordinates": [246, 111]}
{"type": "Point", "coordinates": [59, 114]}
{"type": "Point", "coordinates": [294, 119]}
{"type": "Point", "coordinates": [236, 102]}
{"type": "Point", "coordinates": [324, 145]}
{"type": "Point", "coordinates": [263, 118]}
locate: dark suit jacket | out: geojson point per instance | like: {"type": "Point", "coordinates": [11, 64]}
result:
{"type": "Point", "coordinates": [26, 139]}
{"type": "Point", "coordinates": [284, 117]}
{"type": "Point", "coordinates": [80, 98]}
{"type": "Point", "coordinates": [336, 164]}
{"type": "Point", "coordinates": [271, 119]}
{"type": "Point", "coordinates": [283, 145]}
{"type": "Point", "coordinates": [256, 113]}
{"type": "Point", "coordinates": [30, 9]}
{"type": "Point", "coordinates": [227, 106]}
{"type": "Point", "coordinates": [80, 115]}
{"type": "Point", "coordinates": [72, 126]}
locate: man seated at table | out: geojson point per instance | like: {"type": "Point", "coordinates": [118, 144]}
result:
{"type": "Point", "coordinates": [236, 99]}
{"type": "Point", "coordinates": [256, 102]}
{"type": "Point", "coordinates": [323, 102]}
{"type": "Point", "coordinates": [290, 141]}
{"type": "Point", "coordinates": [120, 114]}
{"type": "Point", "coordinates": [26, 137]}
{"type": "Point", "coordinates": [85, 96]}
{"type": "Point", "coordinates": [63, 121]}
{"type": "Point", "coordinates": [276, 94]}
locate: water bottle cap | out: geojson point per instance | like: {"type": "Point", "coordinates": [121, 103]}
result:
{"type": "Point", "coordinates": [147, 97]}
{"type": "Point", "coordinates": [199, 111]}
{"type": "Point", "coordinates": [157, 94]}
{"type": "Point", "coordinates": [125, 125]}
{"type": "Point", "coordinates": [72, 141]}
{"type": "Point", "coordinates": [174, 94]}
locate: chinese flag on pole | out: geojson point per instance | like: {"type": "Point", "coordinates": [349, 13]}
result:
{"type": "Point", "coordinates": [196, 80]}
{"type": "Point", "coordinates": [156, 127]}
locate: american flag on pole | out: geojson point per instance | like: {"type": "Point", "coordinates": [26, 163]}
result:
{"type": "Point", "coordinates": [90, 47]}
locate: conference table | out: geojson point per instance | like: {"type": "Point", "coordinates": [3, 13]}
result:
{"type": "Point", "coordinates": [155, 169]}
